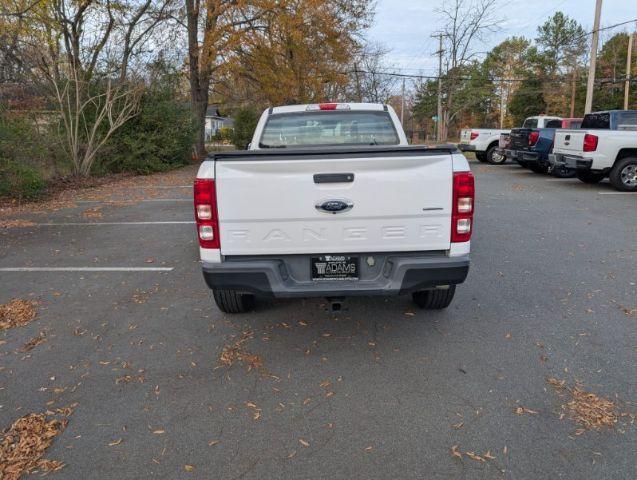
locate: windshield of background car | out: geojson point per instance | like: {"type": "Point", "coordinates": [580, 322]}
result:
{"type": "Point", "coordinates": [309, 129]}
{"type": "Point", "coordinates": [530, 123]}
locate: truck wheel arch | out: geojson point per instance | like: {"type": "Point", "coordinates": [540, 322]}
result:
{"type": "Point", "coordinates": [625, 152]}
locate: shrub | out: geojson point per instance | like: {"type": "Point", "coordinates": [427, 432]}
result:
{"type": "Point", "coordinates": [245, 121]}
{"type": "Point", "coordinates": [23, 156]}
{"type": "Point", "coordinates": [224, 135]}
{"type": "Point", "coordinates": [159, 138]}
{"type": "Point", "coordinates": [19, 181]}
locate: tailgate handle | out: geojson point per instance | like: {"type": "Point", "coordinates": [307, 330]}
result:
{"type": "Point", "coordinates": [568, 137]}
{"type": "Point", "coordinates": [333, 177]}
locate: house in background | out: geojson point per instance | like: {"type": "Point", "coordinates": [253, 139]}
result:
{"type": "Point", "coordinates": [215, 122]}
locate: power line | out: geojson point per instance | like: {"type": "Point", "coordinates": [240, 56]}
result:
{"type": "Point", "coordinates": [491, 79]}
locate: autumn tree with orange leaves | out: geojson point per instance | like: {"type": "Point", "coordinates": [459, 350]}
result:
{"type": "Point", "coordinates": [303, 54]}
{"type": "Point", "coordinates": [271, 51]}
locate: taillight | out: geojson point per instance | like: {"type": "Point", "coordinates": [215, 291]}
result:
{"type": "Point", "coordinates": [463, 206]}
{"type": "Point", "coordinates": [474, 135]}
{"type": "Point", "coordinates": [590, 142]}
{"type": "Point", "coordinates": [206, 213]}
{"type": "Point", "coordinates": [533, 138]}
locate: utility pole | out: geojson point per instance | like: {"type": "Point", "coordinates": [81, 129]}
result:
{"type": "Point", "coordinates": [629, 71]}
{"type": "Point", "coordinates": [402, 105]}
{"type": "Point", "coordinates": [593, 64]}
{"type": "Point", "coordinates": [573, 90]}
{"type": "Point", "coordinates": [439, 123]}
{"type": "Point", "coordinates": [359, 95]}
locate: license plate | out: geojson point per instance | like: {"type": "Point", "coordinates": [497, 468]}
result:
{"type": "Point", "coordinates": [334, 267]}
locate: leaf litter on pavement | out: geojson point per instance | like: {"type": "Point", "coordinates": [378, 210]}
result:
{"type": "Point", "coordinates": [18, 312]}
{"type": "Point", "coordinates": [24, 444]}
{"type": "Point", "coordinates": [587, 409]}
{"type": "Point", "coordinates": [237, 352]}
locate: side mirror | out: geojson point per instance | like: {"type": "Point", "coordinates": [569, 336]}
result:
{"type": "Point", "coordinates": [248, 145]}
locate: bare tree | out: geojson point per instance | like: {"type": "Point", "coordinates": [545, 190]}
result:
{"type": "Point", "coordinates": [369, 81]}
{"type": "Point", "coordinates": [88, 49]}
{"type": "Point", "coordinates": [466, 22]}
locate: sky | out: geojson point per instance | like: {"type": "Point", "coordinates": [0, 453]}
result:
{"type": "Point", "coordinates": [405, 27]}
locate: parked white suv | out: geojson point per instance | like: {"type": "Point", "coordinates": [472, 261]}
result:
{"type": "Point", "coordinates": [331, 201]}
{"type": "Point", "coordinates": [604, 146]}
{"type": "Point", "coordinates": [484, 141]}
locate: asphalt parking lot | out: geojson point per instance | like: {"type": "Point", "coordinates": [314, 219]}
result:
{"type": "Point", "coordinates": [167, 386]}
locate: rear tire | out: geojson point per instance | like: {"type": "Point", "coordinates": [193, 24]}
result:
{"type": "Point", "coordinates": [481, 156]}
{"type": "Point", "coordinates": [434, 299]}
{"type": "Point", "coordinates": [623, 176]}
{"type": "Point", "coordinates": [589, 177]}
{"type": "Point", "coordinates": [231, 301]}
{"type": "Point", "coordinates": [494, 158]}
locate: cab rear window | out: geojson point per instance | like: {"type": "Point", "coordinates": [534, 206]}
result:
{"type": "Point", "coordinates": [599, 121]}
{"type": "Point", "coordinates": [324, 128]}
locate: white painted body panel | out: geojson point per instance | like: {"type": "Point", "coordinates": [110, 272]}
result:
{"type": "Point", "coordinates": [608, 146]}
{"type": "Point", "coordinates": [400, 204]}
{"type": "Point", "coordinates": [486, 137]}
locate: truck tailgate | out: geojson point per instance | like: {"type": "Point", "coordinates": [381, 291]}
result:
{"type": "Point", "coordinates": [569, 141]}
{"type": "Point", "coordinates": [400, 201]}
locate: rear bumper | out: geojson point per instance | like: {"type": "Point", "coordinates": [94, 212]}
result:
{"type": "Point", "coordinates": [570, 161]}
{"type": "Point", "coordinates": [512, 154]}
{"type": "Point", "coordinates": [391, 274]}
{"type": "Point", "coordinates": [466, 147]}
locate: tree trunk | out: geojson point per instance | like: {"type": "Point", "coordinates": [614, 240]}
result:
{"type": "Point", "coordinates": [199, 107]}
{"type": "Point", "coordinates": [199, 81]}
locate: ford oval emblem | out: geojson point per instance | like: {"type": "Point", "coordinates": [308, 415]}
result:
{"type": "Point", "coordinates": [336, 205]}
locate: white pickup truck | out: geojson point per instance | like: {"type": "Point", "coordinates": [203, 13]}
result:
{"type": "Point", "coordinates": [484, 141]}
{"type": "Point", "coordinates": [604, 146]}
{"type": "Point", "coordinates": [330, 201]}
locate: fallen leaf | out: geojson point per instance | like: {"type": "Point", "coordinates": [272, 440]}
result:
{"type": "Point", "coordinates": [455, 452]}
{"type": "Point", "coordinates": [212, 443]}
{"type": "Point", "coordinates": [369, 448]}
{"type": "Point", "coordinates": [189, 468]}
{"type": "Point", "coordinates": [474, 456]}
{"type": "Point", "coordinates": [304, 443]}
{"type": "Point", "coordinates": [115, 442]}
{"type": "Point", "coordinates": [159, 432]}
{"type": "Point", "coordinates": [521, 410]}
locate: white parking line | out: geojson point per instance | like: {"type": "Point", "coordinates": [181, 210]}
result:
{"type": "Point", "coordinates": [617, 193]}
{"type": "Point", "coordinates": [86, 269]}
{"type": "Point", "coordinates": [96, 224]}
{"type": "Point", "coordinates": [137, 201]}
